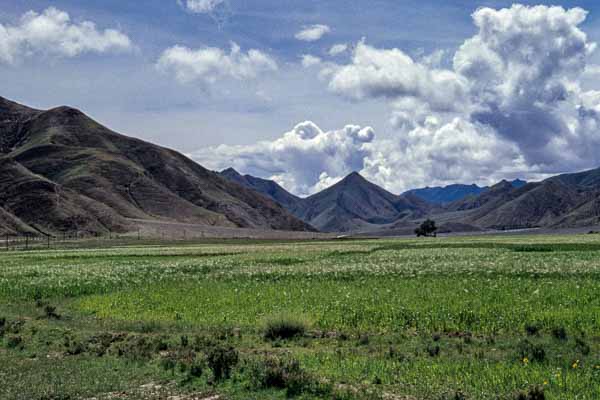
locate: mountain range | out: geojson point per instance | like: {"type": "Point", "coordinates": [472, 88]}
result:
{"type": "Point", "coordinates": [448, 194]}
{"type": "Point", "coordinates": [357, 205]}
{"type": "Point", "coordinates": [60, 171]}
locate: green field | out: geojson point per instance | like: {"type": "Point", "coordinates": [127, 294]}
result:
{"type": "Point", "coordinates": [512, 317]}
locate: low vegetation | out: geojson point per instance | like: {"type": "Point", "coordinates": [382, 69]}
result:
{"type": "Point", "coordinates": [463, 318]}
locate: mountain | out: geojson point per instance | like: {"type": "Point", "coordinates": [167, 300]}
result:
{"type": "Point", "coordinates": [60, 171]}
{"type": "Point", "coordinates": [447, 194]}
{"type": "Point", "coordinates": [264, 186]}
{"type": "Point", "coordinates": [451, 193]}
{"type": "Point", "coordinates": [355, 204]}
{"type": "Point", "coordinates": [569, 200]}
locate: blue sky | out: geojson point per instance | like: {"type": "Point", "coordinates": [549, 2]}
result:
{"type": "Point", "coordinates": [127, 91]}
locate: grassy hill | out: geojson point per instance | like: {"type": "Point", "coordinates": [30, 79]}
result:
{"type": "Point", "coordinates": [62, 171]}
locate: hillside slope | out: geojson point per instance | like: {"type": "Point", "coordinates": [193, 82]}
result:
{"type": "Point", "coordinates": [570, 200]}
{"type": "Point", "coordinates": [62, 171]}
{"type": "Point", "coordinates": [264, 186]}
{"type": "Point", "coordinates": [355, 204]}
{"type": "Point", "coordinates": [448, 194]}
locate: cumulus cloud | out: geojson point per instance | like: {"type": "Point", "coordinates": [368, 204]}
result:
{"type": "Point", "coordinates": [521, 68]}
{"type": "Point", "coordinates": [592, 70]}
{"type": "Point", "coordinates": [312, 33]}
{"type": "Point", "coordinates": [303, 160]}
{"type": "Point", "coordinates": [338, 49]}
{"type": "Point", "coordinates": [210, 64]}
{"type": "Point", "coordinates": [438, 153]}
{"type": "Point", "coordinates": [53, 33]}
{"type": "Point", "coordinates": [513, 101]}
{"type": "Point", "coordinates": [310, 61]}
{"type": "Point", "coordinates": [512, 104]}
{"type": "Point", "coordinates": [201, 6]}
{"type": "Point", "coordinates": [393, 74]}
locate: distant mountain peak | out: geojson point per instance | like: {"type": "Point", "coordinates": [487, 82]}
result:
{"type": "Point", "coordinates": [517, 183]}
{"type": "Point", "coordinates": [231, 172]}
{"type": "Point", "coordinates": [268, 188]}
{"type": "Point", "coordinates": [354, 178]}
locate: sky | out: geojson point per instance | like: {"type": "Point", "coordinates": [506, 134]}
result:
{"type": "Point", "coordinates": [408, 93]}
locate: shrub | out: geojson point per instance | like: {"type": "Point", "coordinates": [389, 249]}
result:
{"type": "Point", "coordinates": [363, 340]}
{"type": "Point", "coordinates": [433, 351]}
{"type": "Point", "coordinates": [531, 351]}
{"type": "Point", "coordinates": [14, 342]}
{"type": "Point", "coordinates": [50, 312]}
{"type": "Point", "coordinates": [559, 333]}
{"type": "Point", "coordinates": [221, 360]}
{"type": "Point", "coordinates": [535, 393]}
{"type": "Point", "coordinates": [532, 329]}
{"type": "Point", "coordinates": [184, 341]}
{"type": "Point", "coordinates": [168, 364]}
{"type": "Point", "coordinates": [282, 373]}
{"type": "Point", "coordinates": [75, 348]}
{"type": "Point", "coordinates": [582, 346]}
{"type": "Point", "coordinates": [140, 347]}
{"type": "Point", "coordinates": [196, 370]}
{"type": "Point", "coordinates": [284, 327]}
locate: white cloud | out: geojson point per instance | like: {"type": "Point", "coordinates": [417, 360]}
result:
{"type": "Point", "coordinates": [522, 67]}
{"type": "Point", "coordinates": [512, 104]}
{"type": "Point", "coordinates": [338, 49]}
{"type": "Point", "coordinates": [592, 70]}
{"type": "Point", "coordinates": [312, 33]}
{"type": "Point", "coordinates": [310, 61]}
{"type": "Point", "coordinates": [201, 6]}
{"type": "Point", "coordinates": [303, 160]}
{"type": "Point", "coordinates": [438, 153]}
{"type": "Point", "coordinates": [210, 64]}
{"type": "Point", "coordinates": [53, 33]}
{"type": "Point", "coordinates": [393, 74]}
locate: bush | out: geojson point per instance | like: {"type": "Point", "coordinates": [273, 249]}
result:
{"type": "Point", "coordinates": [363, 340]}
{"type": "Point", "coordinates": [532, 329]}
{"type": "Point", "coordinates": [282, 373]}
{"type": "Point", "coordinates": [535, 393]}
{"type": "Point", "coordinates": [140, 347]}
{"type": "Point", "coordinates": [433, 351]}
{"type": "Point", "coordinates": [582, 346]}
{"type": "Point", "coordinates": [14, 342]}
{"type": "Point", "coordinates": [196, 370]}
{"type": "Point", "coordinates": [559, 333]}
{"type": "Point", "coordinates": [284, 327]}
{"type": "Point", "coordinates": [221, 360]}
{"type": "Point", "coordinates": [531, 352]}
{"type": "Point", "coordinates": [50, 312]}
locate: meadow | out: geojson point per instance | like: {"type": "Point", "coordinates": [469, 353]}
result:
{"type": "Point", "coordinates": [488, 317]}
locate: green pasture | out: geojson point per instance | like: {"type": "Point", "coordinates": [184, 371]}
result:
{"type": "Point", "coordinates": [487, 317]}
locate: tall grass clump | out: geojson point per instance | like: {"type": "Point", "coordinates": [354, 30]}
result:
{"type": "Point", "coordinates": [284, 326]}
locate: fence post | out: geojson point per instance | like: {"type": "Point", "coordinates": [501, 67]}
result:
{"type": "Point", "coordinates": [7, 248]}
{"type": "Point", "coordinates": [27, 241]}
{"type": "Point", "coordinates": [48, 241]}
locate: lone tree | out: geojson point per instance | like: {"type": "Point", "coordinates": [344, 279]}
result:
{"type": "Point", "coordinates": [426, 229]}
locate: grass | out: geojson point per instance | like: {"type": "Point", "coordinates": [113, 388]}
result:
{"type": "Point", "coordinates": [474, 318]}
